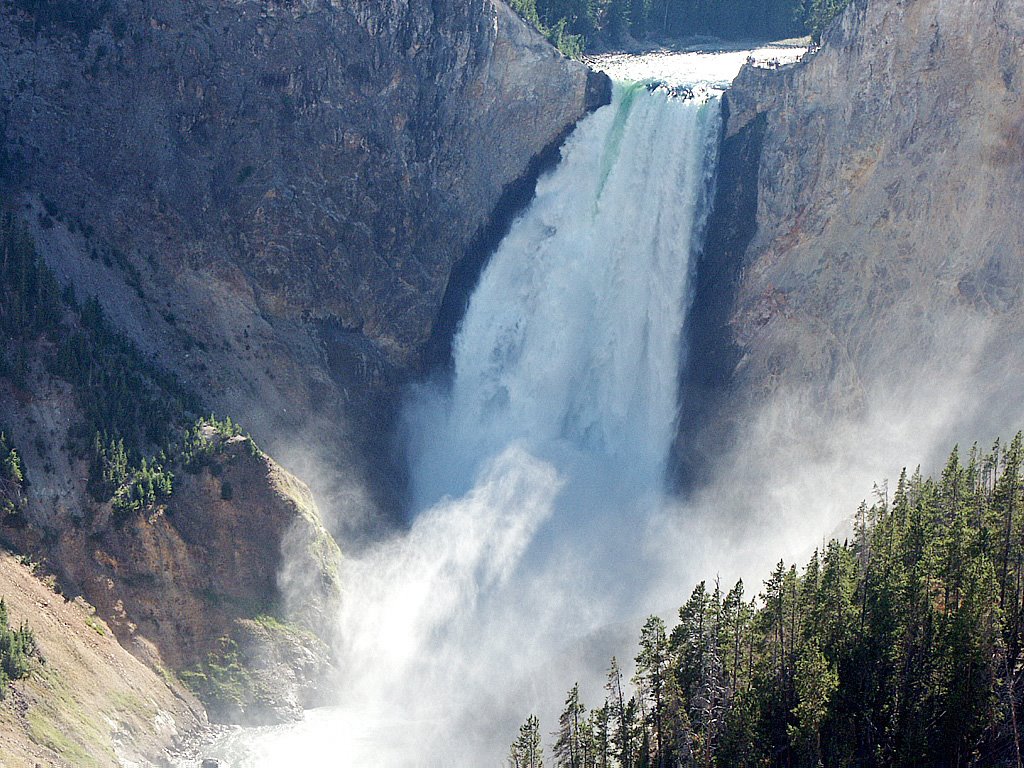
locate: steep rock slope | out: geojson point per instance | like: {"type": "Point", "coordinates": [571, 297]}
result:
{"type": "Point", "coordinates": [87, 701]}
{"type": "Point", "coordinates": [274, 193]}
{"type": "Point", "coordinates": [182, 572]}
{"type": "Point", "coordinates": [868, 248]}
{"type": "Point", "coordinates": [235, 562]}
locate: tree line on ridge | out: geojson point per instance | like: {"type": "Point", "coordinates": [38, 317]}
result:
{"type": "Point", "coordinates": [575, 26]}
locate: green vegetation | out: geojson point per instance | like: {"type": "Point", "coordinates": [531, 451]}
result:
{"type": "Point", "coordinates": [97, 625]}
{"type": "Point", "coordinates": [121, 393]}
{"type": "Point", "coordinates": [133, 488]}
{"type": "Point", "coordinates": [240, 680]}
{"type": "Point", "coordinates": [130, 488]}
{"type": "Point", "coordinates": [143, 488]}
{"type": "Point", "coordinates": [12, 478]}
{"type": "Point", "coordinates": [65, 721]}
{"type": "Point", "coordinates": [198, 447]}
{"type": "Point", "coordinates": [30, 302]}
{"type": "Point", "coordinates": [576, 25]}
{"type": "Point", "coordinates": [526, 751]}
{"type": "Point", "coordinates": [285, 631]}
{"type": "Point", "coordinates": [557, 31]}
{"type": "Point", "coordinates": [902, 647]}
{"type": "Point", "coordinates": [818, 14]}
{"type": "Point", "coordinates": [222, 681]}
{"type": "Point", "coordinates": [43, 731]}
{"type": "Point", "coordinates": [17, 646]}
{"type": "Point", "coordinates": [138, 421]}
{"type": "Point", "coordinates": [126, 400]}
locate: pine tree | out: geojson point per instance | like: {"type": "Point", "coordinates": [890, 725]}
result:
{"type": "Point", "coordinates": [526, 751]}
{"type": "Point", "coordinates": [17, 646]}
{"type": "Point", "coordinates": [11, 478]}
{"type": "Point", "coordinates": [687, 640]}
{"type": "Point", "coordinates": [620, 717]}
{"type": "Point", "coordinates": [652, 672]}
{"type": "Point", "coordinates": [816, 682]}
{"type": "Point", "coordinates": [600, 724]}
{"type": "Point", "coordinates": [898, 649]}
{"type": "Point", "coordinates": [571, 743]}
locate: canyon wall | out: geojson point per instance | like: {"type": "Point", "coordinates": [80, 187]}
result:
{"type": "Point", "coordinates": [866, 247]}
{"type": "Point", "coordinates": [269, 196]}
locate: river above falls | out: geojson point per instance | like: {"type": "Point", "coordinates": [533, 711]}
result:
{"type": "Point", "coordinates": [701, 67]}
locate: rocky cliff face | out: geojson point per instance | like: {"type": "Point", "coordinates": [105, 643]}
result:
{"type": "Point", "coordinates": [877, 256]}
{"type": "Point", "coordinates": [284, 186]}
{"type": "Point", "coordinates": [87, 701]}
{"type": "Point", "coordinates": [268, 197]}
{"type": "Point", "coordinates": [236, 562]}
{"type": "Point", "coordinates": [182, 573]}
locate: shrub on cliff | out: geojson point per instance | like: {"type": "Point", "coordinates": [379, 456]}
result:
{"type": "Point", "coordinates": [11, 478]}
{"type": "Point", "coordinates": [222, 682]}
{"type": "Point", "coordinates": [108, 467]}
{"type": "Point", "coordinates": [145, 486]}
{"type": "Point", "coordinates": [820, 13]}
{"type": "Point", "coordinates": [17, 646]}
{"type": "Point", "coordinates": [558, 30]}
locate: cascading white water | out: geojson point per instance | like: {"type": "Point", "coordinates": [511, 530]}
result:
{"type": "Point", "coordinates": [535, 472]}
{"type": "Point", "coordinates": [571, 343]}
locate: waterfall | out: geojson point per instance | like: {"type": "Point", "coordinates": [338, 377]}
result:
{"type": "Point", "coordinates": [571, 342]}
{"type": "Point", "coordinates": [536, 468]}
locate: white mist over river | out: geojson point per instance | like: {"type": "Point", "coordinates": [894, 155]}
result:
{"type": "Point", "coordinates": [537, 472]}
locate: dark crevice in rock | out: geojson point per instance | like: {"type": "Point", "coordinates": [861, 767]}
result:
{"type": "Point", "coordinates": [372, 389]}
{"type": "Point", "coordinates": [515, 197]}
{"type": "Point", "coordinates": [706, 379]}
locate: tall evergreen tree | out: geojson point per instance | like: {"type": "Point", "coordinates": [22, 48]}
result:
{"type": "Point", "coordinates": [571, 744]}
{"type": "Point", "coordinates": [621, 715]}
{"type": "Point", "coordinates": [653, 668]}
{"type": "Point", "coordinates": [527, 750]}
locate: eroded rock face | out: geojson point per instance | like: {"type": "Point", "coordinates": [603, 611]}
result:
{"type": "Point", "coordinates": [286, 185]}
{"type": "Point", "coordinates": [883, 254]}
{"type": "Point", "coordinates": [236, 562]}
{"type": "Point", "coordinates": [286, 671]}
{"type": "Point", "coordinates": [182, 574]}
{"type": "Point", "coordinates": [87, 701]}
